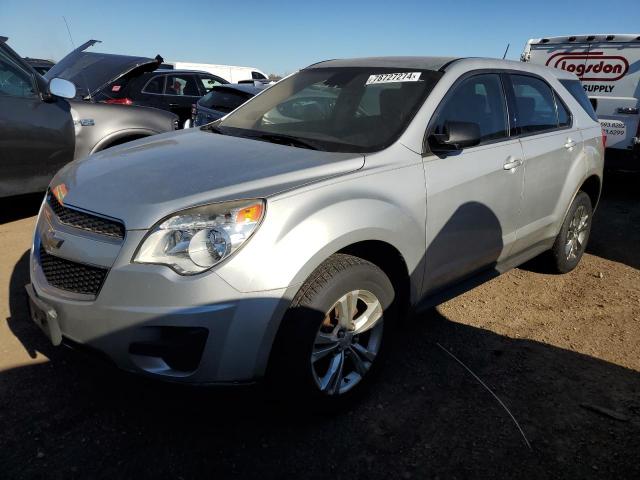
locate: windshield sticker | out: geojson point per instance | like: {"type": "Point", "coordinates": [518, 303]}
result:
{"type": "Point", "coordinates": [393, 77]}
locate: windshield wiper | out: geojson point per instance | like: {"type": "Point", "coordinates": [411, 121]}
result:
{"type": "Point", "coordinates": [285, 140]}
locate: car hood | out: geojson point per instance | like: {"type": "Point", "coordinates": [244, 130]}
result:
{"type": "Point", "coordinates": [143, 181]}
{"type": "Point", "coordinates": [91, 71]}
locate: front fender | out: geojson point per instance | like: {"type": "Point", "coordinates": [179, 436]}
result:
{"type": "Point", "coordinates": [300, 232]}
{"type": "Point", "coordinates": [98, 124]}
{"type": "Point", "coordinates": [120, 135]}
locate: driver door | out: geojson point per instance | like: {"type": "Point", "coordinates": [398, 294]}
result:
{"type": "Point", "coordinates": [36, 137]}
{"type": "Point", "coordinates": [474, 194]}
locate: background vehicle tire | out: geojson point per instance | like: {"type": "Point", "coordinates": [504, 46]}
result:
{"type": "Point", "coordinates": [331, 340]}
{"type": "Point", "coordinates": [572, 240]}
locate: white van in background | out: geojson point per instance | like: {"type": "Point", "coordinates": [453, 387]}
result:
{"type": "Point", "coordinates": [231, 73]}
{"type": "Point", "coordinates": [609, 68]}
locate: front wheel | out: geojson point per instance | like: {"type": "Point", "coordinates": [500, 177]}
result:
{"type": "Point", "coordinates": [332, 337]}
{"type": "Point", "coordinates": [572, 240]}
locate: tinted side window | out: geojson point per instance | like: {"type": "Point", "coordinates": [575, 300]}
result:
{"type": "Point", "coordinates": [535, 104]}
{"type": "Point", "coordinates": [14, 81]}
{"type": "Point", "coordinates": [183, 85]}
{"type": "Point", "coordinates": [155, 85]}
{"type": "Point", "coordinates": [224, 100]}
{"type": "Point", "coordinates": [575, 89]}
{"type": "Point", "coordinates": [478, 99]}
{"type": "Point", "coordinates": [258, 76]}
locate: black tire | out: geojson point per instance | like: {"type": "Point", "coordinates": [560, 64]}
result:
{"type": "Point", "coordinates": [561, 259]}
{"type": "Point", "coordinates": [291, 371]}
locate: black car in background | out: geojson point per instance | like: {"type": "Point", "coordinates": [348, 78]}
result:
{"type": "Point", "coordinates": [173, 90]}
{"type": "Point", "coordinates": [221, 100]}
{"type": "Point", "coordinates": [129, 80]}
{"type": "Point", "coordinates": [40, 65]}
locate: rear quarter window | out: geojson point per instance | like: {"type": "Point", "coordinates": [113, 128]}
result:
{"type": "Point", "coordinates": [574, 87]}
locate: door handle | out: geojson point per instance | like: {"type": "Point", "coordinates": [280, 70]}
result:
{"type": "Point", "coordinates": [512, 163]}
{"type": "Point", "coordinates": [570, 143]}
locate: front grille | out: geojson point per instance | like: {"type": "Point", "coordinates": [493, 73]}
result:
{"type": "Point", "coordinates": [71, 276]}
{"type": "Point", "coordinates": [85, 221]}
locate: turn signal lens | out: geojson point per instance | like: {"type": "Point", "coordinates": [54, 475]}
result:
{"type": "Point", "coordinates": [250, 214]}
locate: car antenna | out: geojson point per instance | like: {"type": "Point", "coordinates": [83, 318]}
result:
{"type": "Point", "coordinates": [505, 51]}
{"type": "Point", "coordinates": [74, 47]}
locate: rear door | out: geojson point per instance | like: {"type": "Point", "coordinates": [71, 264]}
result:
{"type": "Point", "coordinates": [551, 145]}
{"type": "Point", "coordinates": [148, 90]}
{"type": "Point", "coordinates": [473, 195]}
{"type": "Point", "coordinates": [36, 137]}
{"type": "Point", "coordinates": [180, 93]}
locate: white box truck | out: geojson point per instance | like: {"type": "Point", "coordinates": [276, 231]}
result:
{"type": "Point", "coordinates": [609, 67]}
{"type": "Point", "coordinates": [231, 73]}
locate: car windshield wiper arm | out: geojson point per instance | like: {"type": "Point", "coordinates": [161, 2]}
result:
{"type": "Point", "coordinates": [285, 140]}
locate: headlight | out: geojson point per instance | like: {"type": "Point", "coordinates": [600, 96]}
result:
{"type": "Point", "coordinates": [196, 239]}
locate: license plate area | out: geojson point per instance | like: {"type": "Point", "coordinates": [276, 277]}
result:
{"type": "Point", "coordinates": [44, 316]}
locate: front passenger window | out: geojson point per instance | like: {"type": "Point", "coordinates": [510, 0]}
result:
{"type": "Point", "coordinates": [14, 81]}
{"type": "Point", "coordinates": [477, 99]}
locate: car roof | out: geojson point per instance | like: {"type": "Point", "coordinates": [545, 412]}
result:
{"type": "Point", "coordinates": [421, 63]}
{"type": "Point", "coordinates": [39, 61]}
{"type": "Point", "coordinates": [171, 70]}
{"type": "Point", "coordinates": [242, 87]}
{"type": "Point", "coordinates": [442, 64]}
{"type": "Point", "coordinates": [597, 37]}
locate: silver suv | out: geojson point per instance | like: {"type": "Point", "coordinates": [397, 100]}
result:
{"type": "Point", "coordinates": [286, 238]}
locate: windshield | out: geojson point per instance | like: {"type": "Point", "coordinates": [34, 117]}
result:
{"type": "Point", "coordinates": [336, 109]}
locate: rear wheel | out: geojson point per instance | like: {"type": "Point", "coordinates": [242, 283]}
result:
{"type": "Point", "coordinates": [572, 240]}
{"type": "Point", "coordinates": [331, 340]}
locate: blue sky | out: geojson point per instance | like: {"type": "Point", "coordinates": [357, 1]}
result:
{"type": "Point", "coordinates": [282, 36]}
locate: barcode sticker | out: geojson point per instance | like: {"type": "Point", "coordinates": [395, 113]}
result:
{"type": "Point", "coordinates": [393, 78]}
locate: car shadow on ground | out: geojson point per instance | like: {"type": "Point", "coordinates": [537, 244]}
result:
{"type": "Point", "coordinates": [426, 416]}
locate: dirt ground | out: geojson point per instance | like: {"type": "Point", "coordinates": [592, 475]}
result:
{"type": "Point", "coordinates": [561, 352]}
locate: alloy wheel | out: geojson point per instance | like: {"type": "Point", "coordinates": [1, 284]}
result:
{"type": "Point", "coordinates": [577, 233]}
{"type": "Point", "coordinates": [347, 342]}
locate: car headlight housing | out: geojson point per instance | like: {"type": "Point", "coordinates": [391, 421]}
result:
{"type": "Point", "coordinates": [194, 240]}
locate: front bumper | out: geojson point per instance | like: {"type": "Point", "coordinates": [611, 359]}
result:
{"type": "Point", "coordinates": [146, 318]}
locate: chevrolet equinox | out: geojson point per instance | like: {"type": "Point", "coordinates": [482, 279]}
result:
{"type": "Point", "coordinates": [285, 239]}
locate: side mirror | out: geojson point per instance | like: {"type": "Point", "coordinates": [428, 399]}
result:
{"type": "Point", "coordinates": [456, 136]}
{"type": "Point", "coordinates": [62, 88]}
